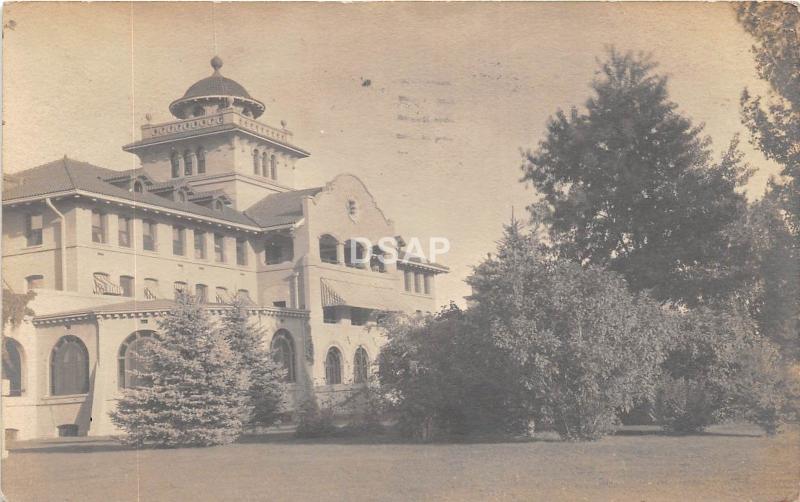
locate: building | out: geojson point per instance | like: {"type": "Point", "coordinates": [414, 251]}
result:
{"type": "Point", "coordinates": [212, 210]}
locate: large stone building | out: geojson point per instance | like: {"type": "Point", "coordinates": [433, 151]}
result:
{"type": "Point", "coordinates": [212, 210]}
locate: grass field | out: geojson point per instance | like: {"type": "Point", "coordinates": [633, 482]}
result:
{"type": "Point", "coordinates": [728, 463]}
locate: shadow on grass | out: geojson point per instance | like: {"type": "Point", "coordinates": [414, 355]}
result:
{"type": "Point", "coordinates": [655, 431]}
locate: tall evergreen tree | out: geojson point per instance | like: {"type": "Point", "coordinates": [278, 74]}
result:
{"type": "Point", "coordinates": [630, 184]}
{"type": "Point", "coordinates": [197, 394]}
{"type": "Point", "coordinates": [255, 362]}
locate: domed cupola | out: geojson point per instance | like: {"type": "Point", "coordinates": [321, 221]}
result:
{"type": "Point", "coordinates": [213, 94]}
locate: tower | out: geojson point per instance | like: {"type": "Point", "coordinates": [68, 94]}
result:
{"type": "Point", "coordinates": [218, 143]}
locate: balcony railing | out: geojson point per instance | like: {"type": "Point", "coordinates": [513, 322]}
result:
{"type": "Point", "coordinates": [224, 117]}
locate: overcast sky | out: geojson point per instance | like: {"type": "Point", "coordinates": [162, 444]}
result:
{"type": "Point", "coordinates": [429, 104]}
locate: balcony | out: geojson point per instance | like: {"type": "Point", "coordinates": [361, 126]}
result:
{"type": "Point", "coordinates": [222, 120]}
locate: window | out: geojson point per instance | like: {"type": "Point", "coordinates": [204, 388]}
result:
{"type": "Point", "coordinates": [126, 282]}
{"type": "Point", "coordinates": [265, 165]}
{"type": "Point", "coordinates": [281, 304]}
{"type": "Point", "coordinates": [98, 226]}
{"type": "Point", "coordinates": [69, 367]}
{"type": "Point", "coordinates": [219, 248]}
{"type": "Point", "coordinates": [201, 292]}
{"type": "Point", "coordinates": [180, 288]}
{"type": "Point", "coordinates": [328, 249]}
{"type": "Point", "coordinates": [104, 286]}
{"type": "Point", "coordinates": [273, 168]}
{"type": "Point", "coordinates": [408, 279]}
{"type": "Point", "coordinates": [132, 360]}
{"type": "Point", "coordinates": [137, 187]}
{"type": "Point", "coordinates": [33, 229]}
{"type": "Point", "coordinates": [376, 261]}
{"type": "Point", "coordinates": [278, 248]}
{"type": "Point", "coordinates": [360, 366]}
{"type": "Point", "coordinates": [149, 235]}
{"type": "Point", "coordinates": [198, 111]}
{"type": "Point", "coordinates": [12, 366]}
{"type": "Point", "coordinates": [34, 282]}
{"type": "Point", "coordinates": [352, 208]}
{"type": "Point", "coordinates": [175, 160]}
{"type": "Point", "coordinates": [351, 259]}
{"type": "Point", "coordinates": [329, 315]}
{"type": "Point", "coordinates": [283, 353]}
{"type": "Point", "coordinates": [151, 289]}
{"type": "Point", "coordinates": [359, 316]}
{"type": "Point", "coordinates": [333, 367]}
{"type": "Point", "coordinates": [178, 241]}
{"type": "Point", "coordinates": [181, 195]}
{"type": "Point", "coordinates": [124, 231]}
{"type": "Point", "coordinates": [241, 252]}
{"type": "Point", "coordinates": [427, 278]}
{"type": "Point", "coordinates": [201, 160]}
{"type": "Point", "coordinates": [187, 163]}
{"type": "Point", "coordinates": [222, 295]}
{"type": "Point", "coordinates": [256, 163]}
{"type": "Point", "coordinates": [218, 205]}
{"type": "Point", "coordinates": [199, 245]}
{"type": "Point", "coordinates": [244, 295]}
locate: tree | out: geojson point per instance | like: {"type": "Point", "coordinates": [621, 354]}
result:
{"type": "Point", "coordinates": [197, 394]}
{"type": "Point", "coordinates": [775, 126]}
{"type": "Point", "coordinates": [580, 347]}
{"type": "Point", "coordinates": [256, 364]}
{"type": "Point", "coordinates": [15, 306]}
{"type": "Point", "coordinates": [770, 260]}
{"type": "Point", "coordinates": [630, 184]}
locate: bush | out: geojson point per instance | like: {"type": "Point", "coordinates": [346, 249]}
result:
{"type": "Point", "coordinates": [369, 410]}
{"type": "Point", "coordinates": [313, 422]}
{"type": "Point", "coordinates": [441, 377]}
{"type": "Point", "coordinates": [720, 368]}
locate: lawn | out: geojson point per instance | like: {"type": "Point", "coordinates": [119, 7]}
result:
{"type": "Point", "coordinates": [728, 463]}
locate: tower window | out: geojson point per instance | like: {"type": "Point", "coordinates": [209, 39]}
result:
{"type": "Point", "coordinates": [265, 165]}
{"type": "Point", "coordinates": [273, 167]}
{"type": "Point", "coordinates": [198, 111]}
{"type": "Point", "coordinates": [137, 187]}
{"type": "Point", "coordinates": [256, 162]}
{"type": "Point", "coordinates": [201, 160]}
{"type": "Point", "coordinates": [187, 163]}
{"type": "Point", "coordinates": [175, 161]}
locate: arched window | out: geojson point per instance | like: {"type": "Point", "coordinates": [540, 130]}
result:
{"type": "Point", "coordinates": [175, 160]}
{"type": "Point", "coordinates": [283, 352]}
{"type": "Point", "coordinates": [137, 187]}
{"type": "Point", "coordinates": [350, 257]}
{"type": "Point", "coordinates": [265, 164]}
{"type": "Point", "coordinates": [69, 367]}
{"type": "Point", "coordinates": [333, 367]}
{"type": "Point", "coordinates": [187, 163]}
{"type": "Point", "coordinates": [198, 111]}
{"type": "Point", "coordinates": [181, 195]}
{"type": "Point", "coordinates": [201, 160]}
{"type": "Point", "coordinates": [256, 162]}
{"type": "Point", "coordinates": [218, 205]}
{"type": "Point", "coordinates": [273, 167]}
{"type": "Point", "coordinates": [328, 249]}
{"type": "Point", "coordinates": [12, 366]}
{"type": "Point", "coordinates": [360, 366]}
{"type": "Point", "coordinates": [278, 248]}
{"type": "Point", "coordinates": [132, 359]}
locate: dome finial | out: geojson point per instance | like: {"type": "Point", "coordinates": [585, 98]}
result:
{"type": "Point", "coordinates": [216, 63]}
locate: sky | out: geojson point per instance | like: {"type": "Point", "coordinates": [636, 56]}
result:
{"type": "Point", "coordinates": [430, 104]}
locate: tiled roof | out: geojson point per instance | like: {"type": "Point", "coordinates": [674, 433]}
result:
{"type": "Point", "coordinates": [68, 174]}
{"type": "Point", "coordinates": [413, 259]}
{"type": "Point", "coordinates": [280, 208]}
{"type": "Point", "coordinates": [216, 85]}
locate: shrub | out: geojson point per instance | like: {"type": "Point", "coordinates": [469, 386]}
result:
{"type": "Point", "coordinates": [441, 377]}
{"type": "Point", "coordinates": [313, 422]}
{"type": "Point", "coordinates": [720, 368]}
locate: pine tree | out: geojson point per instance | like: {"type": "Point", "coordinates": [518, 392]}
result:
{"type": "Point", "coordinates": [256, 363]}
{"type": "Point", "coordinates": [196, 396]}
{"type": "Point", "coordinates": [629, 184]}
